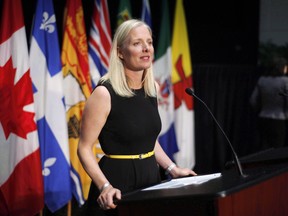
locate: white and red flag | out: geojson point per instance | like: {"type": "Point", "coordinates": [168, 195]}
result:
{"type": "Point", "coordinates": [99, 41]}
{"type": "Point", "coordinates": [21, 184]}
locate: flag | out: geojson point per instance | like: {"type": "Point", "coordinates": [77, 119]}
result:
{"type": "Point", "coordinates": [146, 14]}
{"type": "Point", "coordinates": [99, 48]}
{"type": "Point", "coordinates": [124, 11]}
{"type": "Point", "coordinates": [181, 79]}
{"type": "Point", "coordinates": [21, 183]}
{"type": "Point", "coordinates": [46, 74]}
{"type": "Point", "coordinates": [162, 68]}
{"type": "Point", "coordinates": [77, 88]}
{"type": "Point", "coordinates": [99, 41]}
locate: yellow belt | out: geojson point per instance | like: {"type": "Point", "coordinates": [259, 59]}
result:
{"type": "Point", "coordinates": [139, 156]}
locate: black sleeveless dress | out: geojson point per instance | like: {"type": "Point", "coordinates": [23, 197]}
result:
{"type": "Point", "coordinates": [132, 127]}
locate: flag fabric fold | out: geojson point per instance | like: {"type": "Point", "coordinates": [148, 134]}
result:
{"type": "Point", "coordinates": [162, 68]}
{"type": "Point", "coordinates": [77, 88]}
{"type": "Point", "coordinates": [181, 79]}
{"type": "Point", "coordinates": [46, 73]}
{"type": "Point", "coordinates": [21, 183]}
{"type": "Point", "coordinates": [99, 41]}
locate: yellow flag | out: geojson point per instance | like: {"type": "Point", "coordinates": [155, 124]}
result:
{"type": "Point", "coordinates": [180, 44]}
{"type": "Point", "coordinates": [77, 88]}
{"type": "Point", "coordinates": [182, 79]}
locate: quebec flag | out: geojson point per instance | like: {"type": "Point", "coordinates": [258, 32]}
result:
{"type": "Point", "coordinates": [46, 74]}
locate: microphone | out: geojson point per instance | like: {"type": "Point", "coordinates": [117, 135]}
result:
{"type": "Point", "coordinates": [190, 92]}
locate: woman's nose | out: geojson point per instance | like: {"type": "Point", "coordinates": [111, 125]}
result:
{"type": "Point", "coordinates": [145, 48]}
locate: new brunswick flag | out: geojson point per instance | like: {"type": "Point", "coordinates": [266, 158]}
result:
{"type": "Point", "coordinates": [181, 79]}
{"type": "Point", "coordinates": [77, 88]}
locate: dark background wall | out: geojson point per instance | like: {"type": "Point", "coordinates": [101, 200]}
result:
{"type": "Point", "coordinates": [223, 32]}
{"type": "Point", "coordinates": [224, 47]}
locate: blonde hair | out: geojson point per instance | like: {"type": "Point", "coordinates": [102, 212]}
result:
{"type": "Point", "coordinates": [116, 74]}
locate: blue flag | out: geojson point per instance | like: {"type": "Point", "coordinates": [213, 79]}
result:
{"type": "Point", "coordinates": [146, 14]}
{"type": "Point", "coordinates": [46, 74]}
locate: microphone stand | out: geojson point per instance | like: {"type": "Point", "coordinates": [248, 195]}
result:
{"type": "Point", "coordinates": [235, 157]}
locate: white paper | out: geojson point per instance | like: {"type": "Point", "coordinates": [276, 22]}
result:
{"type": "Point", "coordinates": [180, 182]}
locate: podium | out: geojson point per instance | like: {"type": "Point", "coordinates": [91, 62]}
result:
{"type": "Point", "coordinates": [263, 192]}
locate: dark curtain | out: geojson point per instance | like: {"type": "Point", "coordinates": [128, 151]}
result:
{"type": "Point", "coordinates": [226, 90]}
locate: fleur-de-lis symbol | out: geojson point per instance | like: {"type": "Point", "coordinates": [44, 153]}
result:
{"type": "Point", "coordinates": [48, 163]}
{"type": "Point", "coordinates": [47, 22]}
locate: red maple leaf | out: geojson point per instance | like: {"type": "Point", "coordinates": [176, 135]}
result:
{"type": "Point", "coordinates": [13, 117]}
{"type": "Point", "coordinates": [179, 87]}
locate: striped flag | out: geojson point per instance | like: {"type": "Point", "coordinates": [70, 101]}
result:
{"type": "Point", "coordinates": [146, 14]}
{"type": "Point", "coordinates": [124, 11]}
{"type": "Point", "coordinates": [21, 183]}
{"type": "Point", "coordinates": [99, 41]}
{"type": "Point", "coordinates": [45, 67]}
{"type": "Point", "coordinates": [162, 68]}
{"type": "Point", "coordinates": [77, 88]}
{"type": "Point", "coordinates": [181, 79]}
{"type": "Point", "coordinates": [99, 48]}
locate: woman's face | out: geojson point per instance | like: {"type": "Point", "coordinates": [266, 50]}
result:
{"type": "Point", "coordinates": [137, 52]}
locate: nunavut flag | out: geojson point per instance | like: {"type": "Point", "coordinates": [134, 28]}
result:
{"type": "Point", "coordinates": [181, 79]}
{"type": "Point", "coordinates": [77, 88]}
{"type": "Point", "coordinates": [21, 184]}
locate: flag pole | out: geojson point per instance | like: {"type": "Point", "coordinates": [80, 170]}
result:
{"type": "Point", "coordinates": [69, 208]}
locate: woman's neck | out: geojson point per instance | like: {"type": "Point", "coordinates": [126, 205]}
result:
{"type": "Point", "coordinates": [135, 80]}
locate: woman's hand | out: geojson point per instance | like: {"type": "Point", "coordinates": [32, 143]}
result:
{"type": "Point", "coordinates": [181, 172]}
{"type": "Point", "coordinates": [105, 199]}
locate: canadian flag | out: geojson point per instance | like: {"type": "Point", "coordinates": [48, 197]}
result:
{"type": "Point", "coordinates": [21, 184]}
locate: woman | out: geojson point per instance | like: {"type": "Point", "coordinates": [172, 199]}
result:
{"type": "Point", "coordinates": [122, 113]}
{"type": "Point", "coordinates": [269, 99]}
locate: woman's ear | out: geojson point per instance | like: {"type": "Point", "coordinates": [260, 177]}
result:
{"type": "Point", "coordinates": [119, 53]}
